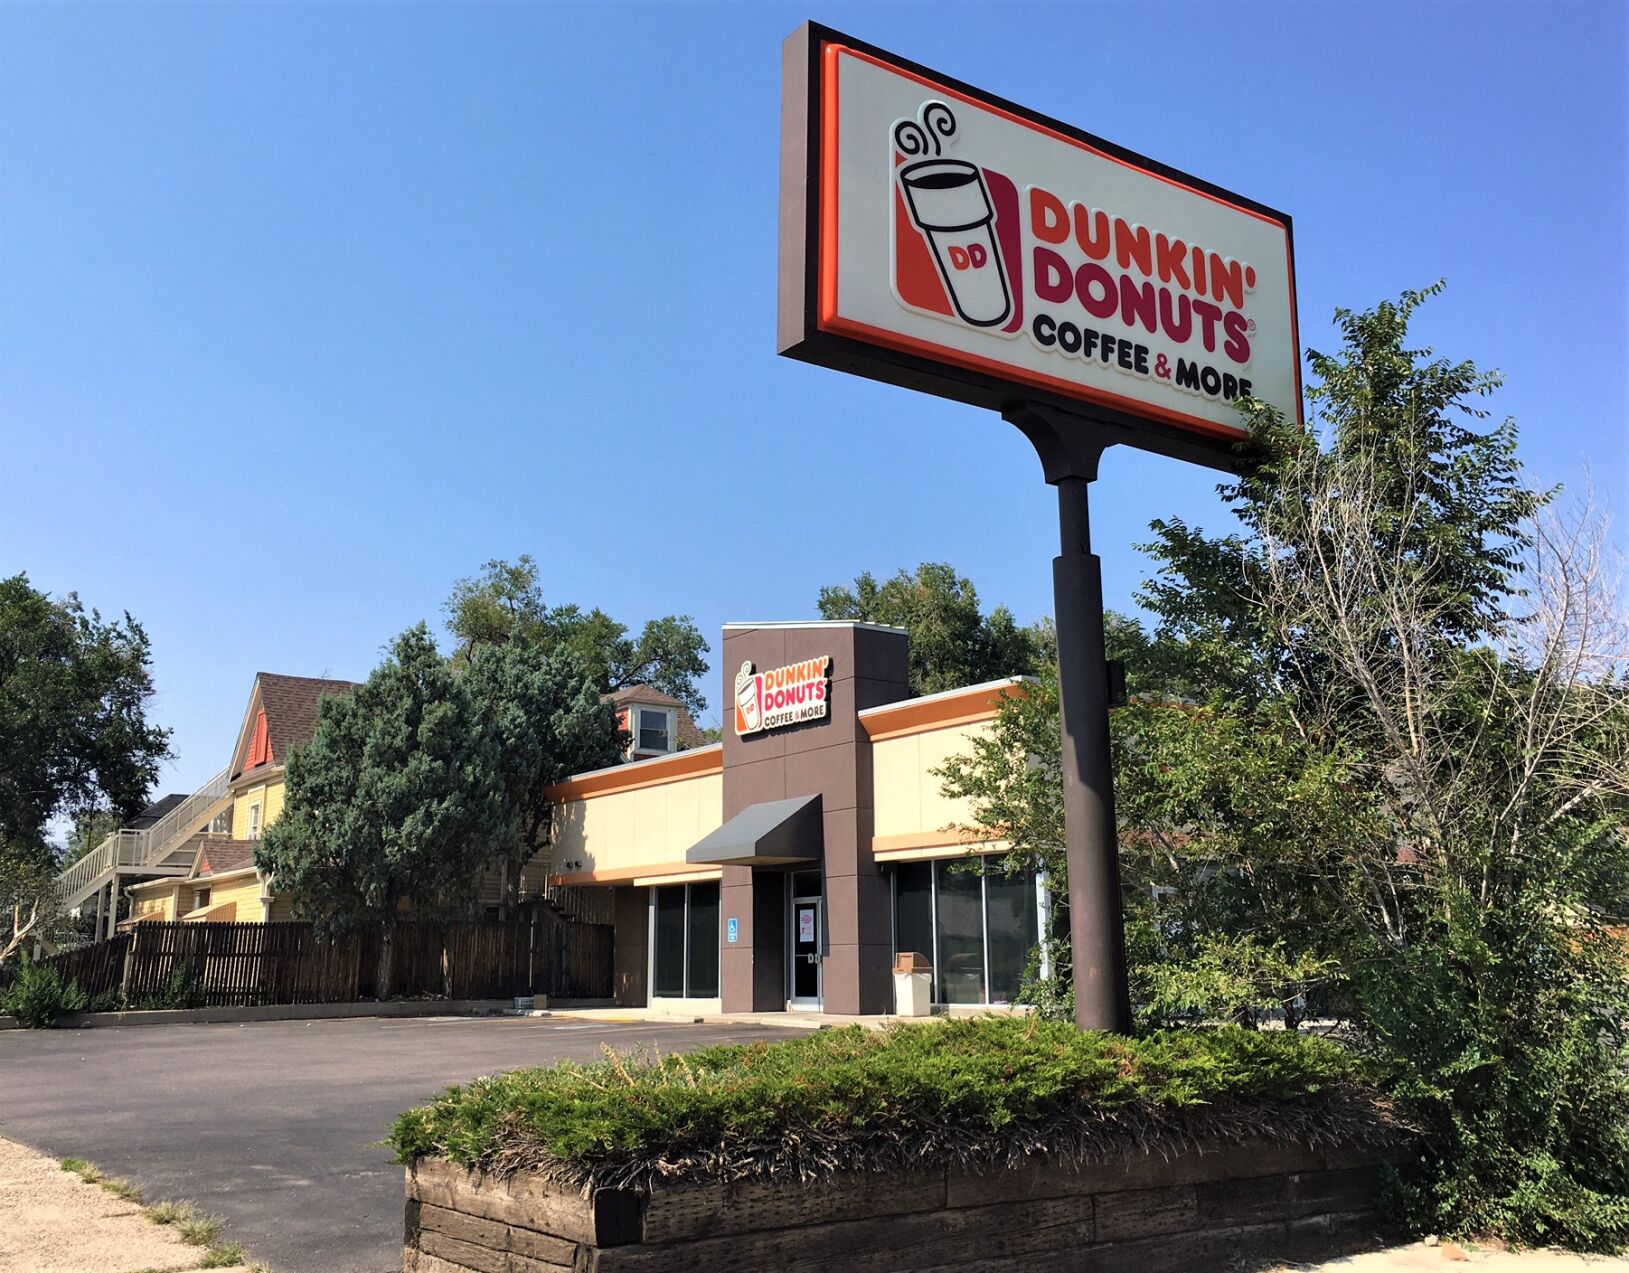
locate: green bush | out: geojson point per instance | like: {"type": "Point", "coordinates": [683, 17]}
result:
{"type": "Point", "coordinates": [969, 1090]}
{"type": "Point", "coordinates": [1516, 1063]}
{"type": "Point", "coordinates": [39, 996]}
{"type": "Point", "coordinates": [179, 989]}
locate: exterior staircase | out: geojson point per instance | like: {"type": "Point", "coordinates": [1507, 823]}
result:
{"type": "Point", "coordinates": [164, 848]}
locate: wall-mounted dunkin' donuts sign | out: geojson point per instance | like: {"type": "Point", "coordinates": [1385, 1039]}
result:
{"type": "Point", "coordinates": [943, 239]}
{"type": "Point", "coordinates": [782, 696]}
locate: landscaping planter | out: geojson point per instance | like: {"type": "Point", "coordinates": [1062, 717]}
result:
{"type": "Point", "coordinates": [1200, 1209]}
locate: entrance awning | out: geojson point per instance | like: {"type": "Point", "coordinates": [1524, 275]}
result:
{"type": "Point", "coordinates": [774, 833]}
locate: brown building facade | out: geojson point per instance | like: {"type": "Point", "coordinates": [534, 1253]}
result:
{"type": "Point", "coordinates": [783, 868]}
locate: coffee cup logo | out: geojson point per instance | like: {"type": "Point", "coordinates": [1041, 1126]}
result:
{"type": "Point", "coordinates": [748, 715]}
{"type": "Point", "coordinates": [950, 206]}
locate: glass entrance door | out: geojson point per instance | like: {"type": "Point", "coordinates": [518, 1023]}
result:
{"type": "Point", "coordinates": [806, 984]}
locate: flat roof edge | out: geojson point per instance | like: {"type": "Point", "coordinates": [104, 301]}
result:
{"type": "Point", "coordinates": [820, 623]}
{"type": "Point", "coordinates": [981, 687]}
{"type": "Point", "coordinates": [627, 765]}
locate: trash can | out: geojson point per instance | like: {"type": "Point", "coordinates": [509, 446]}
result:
{"type": "Point", "coordinates": [913, 985]}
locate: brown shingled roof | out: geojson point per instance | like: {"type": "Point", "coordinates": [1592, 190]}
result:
{"type": "Point", "coordinates": [219, 856]}
{"type": "Point", "coordinates": [290, 704]}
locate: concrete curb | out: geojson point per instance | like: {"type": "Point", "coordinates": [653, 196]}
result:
{"type": "Point", "coordinates": [277, 1012]}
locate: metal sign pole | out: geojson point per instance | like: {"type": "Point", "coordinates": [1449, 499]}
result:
{"type": "Point", "coordinates": [1070, 447]}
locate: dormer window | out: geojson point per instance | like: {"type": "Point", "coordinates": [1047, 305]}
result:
{"type": "Point", "coordinates": [655, 731]}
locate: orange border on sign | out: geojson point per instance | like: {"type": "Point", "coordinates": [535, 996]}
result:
{"type": "Point", "coordinates": [831, 321]}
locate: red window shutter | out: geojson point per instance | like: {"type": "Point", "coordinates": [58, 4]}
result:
{"type": "Point", "coordinates": [260, 744]}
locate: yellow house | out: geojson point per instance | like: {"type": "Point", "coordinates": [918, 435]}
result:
{"type": "Point", "coordinates": [223, 884]}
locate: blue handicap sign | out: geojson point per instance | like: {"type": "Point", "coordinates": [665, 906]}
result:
{"type": "Point", "coordinates": [734, 929]}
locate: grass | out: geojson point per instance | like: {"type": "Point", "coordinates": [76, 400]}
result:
{"type": "Point", "coordinates": [121, 1188]}
{"type": "Point", "coordinates": [192, 1226]}
{"type": "Point", "coordinates": [973, 1091]}
{"type": "Point", "coordinates": [171, 1212]}
{"type": "Point", "coordinates": [90, 1173]}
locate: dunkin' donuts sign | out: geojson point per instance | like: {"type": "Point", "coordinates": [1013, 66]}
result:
{"type": "Point", "coordinates": [781, 696]}
{"type": "Point", "coordinates": [1027, 259]}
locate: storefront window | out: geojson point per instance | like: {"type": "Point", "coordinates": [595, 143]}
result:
{"type": "Point", "coordinates": [959, 926]}
{"type": "Point", "coordinates": [913, 909]}
{"type": "Point", "coordinates": [685, 955]}
{"type": "Point", "coordinates": [669, 978]}
{"type": "Point", "coordinates": [1014, 930]}
{"type": "Point", "coordinates": [976, 925]}
{"type": "Point", "coordinates": [703, 983]}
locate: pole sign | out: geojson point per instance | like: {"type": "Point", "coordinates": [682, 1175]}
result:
{"type": "Point", "coordinates": [937, 237]}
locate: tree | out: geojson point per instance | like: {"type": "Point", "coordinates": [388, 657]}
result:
{"type": "Point", "coordinates": [30, 906]}
{"type": "Point", "coordinates": [1400, 778]}
{"type": "Point", "coordinates": [506, 599]}
{"type": "Point", "coordinates": [399, 797]}
{"type": "Point", "coordinates": [87, 833]}
{"type": "Point", "coordinates": [73, 715]}
{"type": "Point", "coordinates": [548, 721]}
{"type": "Point", "coordinates": [952, 642]}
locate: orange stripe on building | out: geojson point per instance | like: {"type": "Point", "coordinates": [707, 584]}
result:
{"type": "Point", "coordinates": [646, 773]}
{"type": "Point", "coordinates": [941, 711]}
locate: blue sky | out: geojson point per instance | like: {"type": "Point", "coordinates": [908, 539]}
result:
{"type": "Point", "coordinates": [306, 311]}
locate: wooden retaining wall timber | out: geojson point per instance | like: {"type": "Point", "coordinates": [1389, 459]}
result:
{"type": "Point", "coordinates": [1243, 1206]}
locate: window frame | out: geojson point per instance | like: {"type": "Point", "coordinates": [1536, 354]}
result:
{"type": "Point", "coordinates": [685, 925]}
{"type": "Point", "coordinates": [1039, 885]}
{"type": "Point", "coordinates": [666, 713]}
{"type": "Point", "coordinates": [254, 820]}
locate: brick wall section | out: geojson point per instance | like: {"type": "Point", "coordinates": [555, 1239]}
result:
{"type": "Point", "coordinates": [1194, 1213]}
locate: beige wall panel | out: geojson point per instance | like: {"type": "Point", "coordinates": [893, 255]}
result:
{"type": "Point", "coordinates": [897, 788]}
{"type": "Point", "coordinates": [645, 827]}
{"type": "Point", "coordinates": [909, 795]}
{"type": "Point", "coordinates": [937, 809]}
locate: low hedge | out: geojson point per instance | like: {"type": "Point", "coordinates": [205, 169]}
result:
{"type": "Point", "coordinates": [976, 1091]}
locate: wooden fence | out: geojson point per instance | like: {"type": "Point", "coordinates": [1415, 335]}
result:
{"type": "Point", "coordinates": [98, 968]}
{"type": "Point", "coordinates": [219, 965]}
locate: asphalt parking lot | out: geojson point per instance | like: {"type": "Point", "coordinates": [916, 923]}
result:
{"type": "Point", "coordinates": [275, 1125]}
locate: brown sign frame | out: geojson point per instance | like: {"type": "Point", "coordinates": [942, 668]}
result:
{"type": "Point", "coordinates": [801, 336]}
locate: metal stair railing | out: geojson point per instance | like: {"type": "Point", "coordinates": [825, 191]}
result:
{"type": "Point", "coordinates": [140, 848]}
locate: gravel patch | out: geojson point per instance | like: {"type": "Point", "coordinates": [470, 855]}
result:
{"type": "Point", "coordinates": [51, 1221]}
{"type": "Point", "coordinates": [1418, 1257]}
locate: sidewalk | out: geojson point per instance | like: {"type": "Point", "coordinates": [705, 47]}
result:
{"type": "Point", "coordinates": [658, 1016]}
{"type": "Point", "coordinates": [53, 1222]}
{"type": "Point", "coordinates": [1449, 1257]}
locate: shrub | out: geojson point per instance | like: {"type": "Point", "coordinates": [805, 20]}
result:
{"type": "Point", "coordinates": [179, 989]}
{"type": "Point", "coordinates": [39, 996]}
{"type": "Point", "coordinates": [1517, 1066]}
{"type": "Point", "coordinates": [973, 1091]}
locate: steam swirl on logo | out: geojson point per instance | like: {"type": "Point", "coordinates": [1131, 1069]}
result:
{"type": "Point", "coordinates": [918, 136]}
